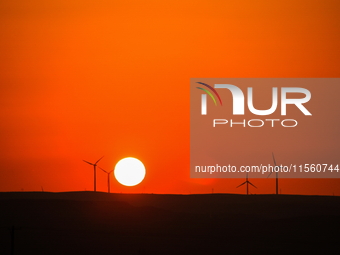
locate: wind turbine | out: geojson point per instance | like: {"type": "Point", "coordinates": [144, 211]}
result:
{"type": "Point", "coordinates": [247, 183]}
{"type": "Point", "coordinates": [108, 179]}
{"type": "Point", "coordinates": [277, 176]}
{"type": "Point", "coordinates": [94, 168]}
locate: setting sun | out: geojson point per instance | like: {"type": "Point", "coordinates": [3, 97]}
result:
{"type": "Point", "coordinates": [129, 171]}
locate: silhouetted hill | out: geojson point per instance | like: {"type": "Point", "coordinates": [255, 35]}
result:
{"type": "Point", "coordinates": [101, 223]}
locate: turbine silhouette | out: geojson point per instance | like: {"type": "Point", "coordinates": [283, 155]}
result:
{"type": "Point", "coordinates": [108, 178]}
{"type": "Point", "coordinates": [277, 176]}
{"type": "Point", "coordinates": [247, 184]}
{"type": "Point", "coordinates": [94, 168]}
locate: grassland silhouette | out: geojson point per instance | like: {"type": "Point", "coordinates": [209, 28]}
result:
{"type": "Point", "coordinates": [101, 223]}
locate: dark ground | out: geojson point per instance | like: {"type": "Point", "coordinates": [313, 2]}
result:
{"type": "Point", "coordinates": [99, 223]}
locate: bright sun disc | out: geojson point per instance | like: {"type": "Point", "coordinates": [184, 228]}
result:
{"type": "Point", "coordinates": [129, 171]}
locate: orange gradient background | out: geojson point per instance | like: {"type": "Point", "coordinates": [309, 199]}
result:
{"type": "Point", "coordinates": [83, 79]}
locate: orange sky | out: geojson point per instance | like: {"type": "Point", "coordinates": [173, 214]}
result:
{"type": "Point", "coordinates": [83, 79]}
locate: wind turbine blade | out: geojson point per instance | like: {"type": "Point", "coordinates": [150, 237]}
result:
{"type": "Point", "coordinates": [88, 162]}
{"type": "Point", "coordinates": [103, 169]}
{"type": "Point", "coordinates": [99, 160]}
{"type": "Point", "coordinates": [110, 171]}
{"type": "Point", "coordinates": [241, 184]}
{"type": "Point", "coordinates": [252, 184]}
{"type": "Point", "coordinates": [269, 174]}
{"type": "Point", "coordinates": [274, 159]}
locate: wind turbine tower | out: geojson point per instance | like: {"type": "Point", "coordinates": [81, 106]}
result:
{"type": "Point", "coordinates": [108, 178]}
{"type": "Point", "coordinates": [94, 168]}
{"type": "Point", "coordinates": [276, 176]}
{"type": "Point", "coordinates": [247, 184]}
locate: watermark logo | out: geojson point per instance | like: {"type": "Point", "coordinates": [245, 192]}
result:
{"type": "Point", "coordinates": [239, 99]}
{"type": "Point", "coordinates": [204, 97]}
{"type": "Point", "coordinates": [236, 124]}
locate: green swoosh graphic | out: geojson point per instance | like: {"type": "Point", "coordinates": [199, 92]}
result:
{"type": "Point", "coordinates": [208, 92]}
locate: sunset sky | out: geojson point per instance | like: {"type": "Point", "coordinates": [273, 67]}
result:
{"type": "Point", "coordinates": [86, 79]}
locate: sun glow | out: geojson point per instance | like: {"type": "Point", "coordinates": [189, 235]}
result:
{"type": "Point", "coordinates": [129, 171]}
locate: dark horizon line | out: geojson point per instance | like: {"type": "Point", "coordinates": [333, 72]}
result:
{"type": "Point", "coordinates": [173, 194]}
